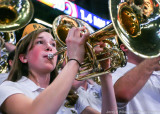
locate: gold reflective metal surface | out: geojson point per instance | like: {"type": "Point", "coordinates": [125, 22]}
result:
{"type": "Point", "coordinates": [138, 25]}
{"type": "Point", "coordinates": [91, 66]}
{"type": "Point", "coordinates": [14, 15]}
{"type": "Point", "coordinates": [63, 23]}
{"type": "Point", "coordinates": [128, 20]}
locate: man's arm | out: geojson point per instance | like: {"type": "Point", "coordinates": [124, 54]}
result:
{"type": "Point", "coordinates": [9, 46]}
{"type": "Point", "coordinates": [133, 81]}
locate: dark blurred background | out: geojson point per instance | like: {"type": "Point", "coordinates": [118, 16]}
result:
{"type": "Point", "coordinates": [48, 14]}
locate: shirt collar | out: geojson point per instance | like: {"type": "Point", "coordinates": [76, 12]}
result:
{"type": "Point", "coordinates": [157, 73]}
{"type": "Point", "coordinates": [29, 84]}
{"type": "Point", "coordinates": [90, 86]}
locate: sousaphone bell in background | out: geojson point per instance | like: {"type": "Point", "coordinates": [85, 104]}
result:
{"type": "Point", "coordinates": [14, 15]}
{"type": "Point", "coordinates": [137, 23]}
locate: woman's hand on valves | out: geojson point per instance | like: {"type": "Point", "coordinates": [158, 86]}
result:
{"type": "Point", "coordinates": [76, 41]}
{"type": "Point", "coordinates": [105, 64]}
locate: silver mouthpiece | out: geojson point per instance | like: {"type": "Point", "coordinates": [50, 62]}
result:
{"type": "Point", "coordinates": [62, 50]}
{"type": "Point", "coordinates": [50, 56]}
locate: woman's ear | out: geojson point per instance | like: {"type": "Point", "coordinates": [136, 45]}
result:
{"type": "Point", "coordinates": [23, 58]}
{"type": "Point", "coordinates": [123, 48]}
{"type": "Point", "coordinates": [10, 62]}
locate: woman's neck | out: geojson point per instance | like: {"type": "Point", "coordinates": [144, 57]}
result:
{"type": "Point", "coordinates": [40, 80]}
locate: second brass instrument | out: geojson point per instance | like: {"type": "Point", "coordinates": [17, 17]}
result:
{"type": "Point", "coordinates": [14, 15]}
{"type": "Point", "coordinates": [91, 66]}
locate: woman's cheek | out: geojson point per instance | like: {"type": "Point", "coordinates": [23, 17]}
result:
{"type": "Point", "coordinates": [35, 54]}
{"type": "Point", "coordinates": [55, 60]}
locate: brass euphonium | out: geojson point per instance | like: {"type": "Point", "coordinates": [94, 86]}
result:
{"type": "Point", "coordinates": [91, 66]}
{"type": "Point", "coordinates": [14, 15]}
{"type": "Point", "coordinates": [137, 24]}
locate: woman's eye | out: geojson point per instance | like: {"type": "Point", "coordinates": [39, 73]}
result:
{"type": "Point", "coordinates": [39, 42]}
{"type": "Point", "coordinates": [53, 44]}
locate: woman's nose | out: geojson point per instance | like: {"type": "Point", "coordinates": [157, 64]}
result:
{"type": "Point", "coordinates": [48, 47]}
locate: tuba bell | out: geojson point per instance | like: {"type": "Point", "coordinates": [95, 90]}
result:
{"type": "Point", "coordinates": [14, 15]}
{"type": "Point", "coordinates": [137, 23]}
{"type": "Point", "coordinates": [91, 66]}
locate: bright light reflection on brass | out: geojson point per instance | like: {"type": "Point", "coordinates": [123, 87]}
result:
{"type": "Point", "coordinates": [14, 15]}
{"type": "Point", "coordinates": [128, 20]}
{"type": "Point", "coordinates": [91, 66]}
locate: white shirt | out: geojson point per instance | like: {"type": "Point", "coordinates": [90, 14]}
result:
{"type": "Point", "coordinates": [121, 71]}
{"type": "Point", "coordinates": [27, 87]}
{"type": "Point", "coordinates": [91, 97]}
{"type": "Point", "coordinates": [3, 76]}
{"type": "Point", "coordinates": [147, 100]}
